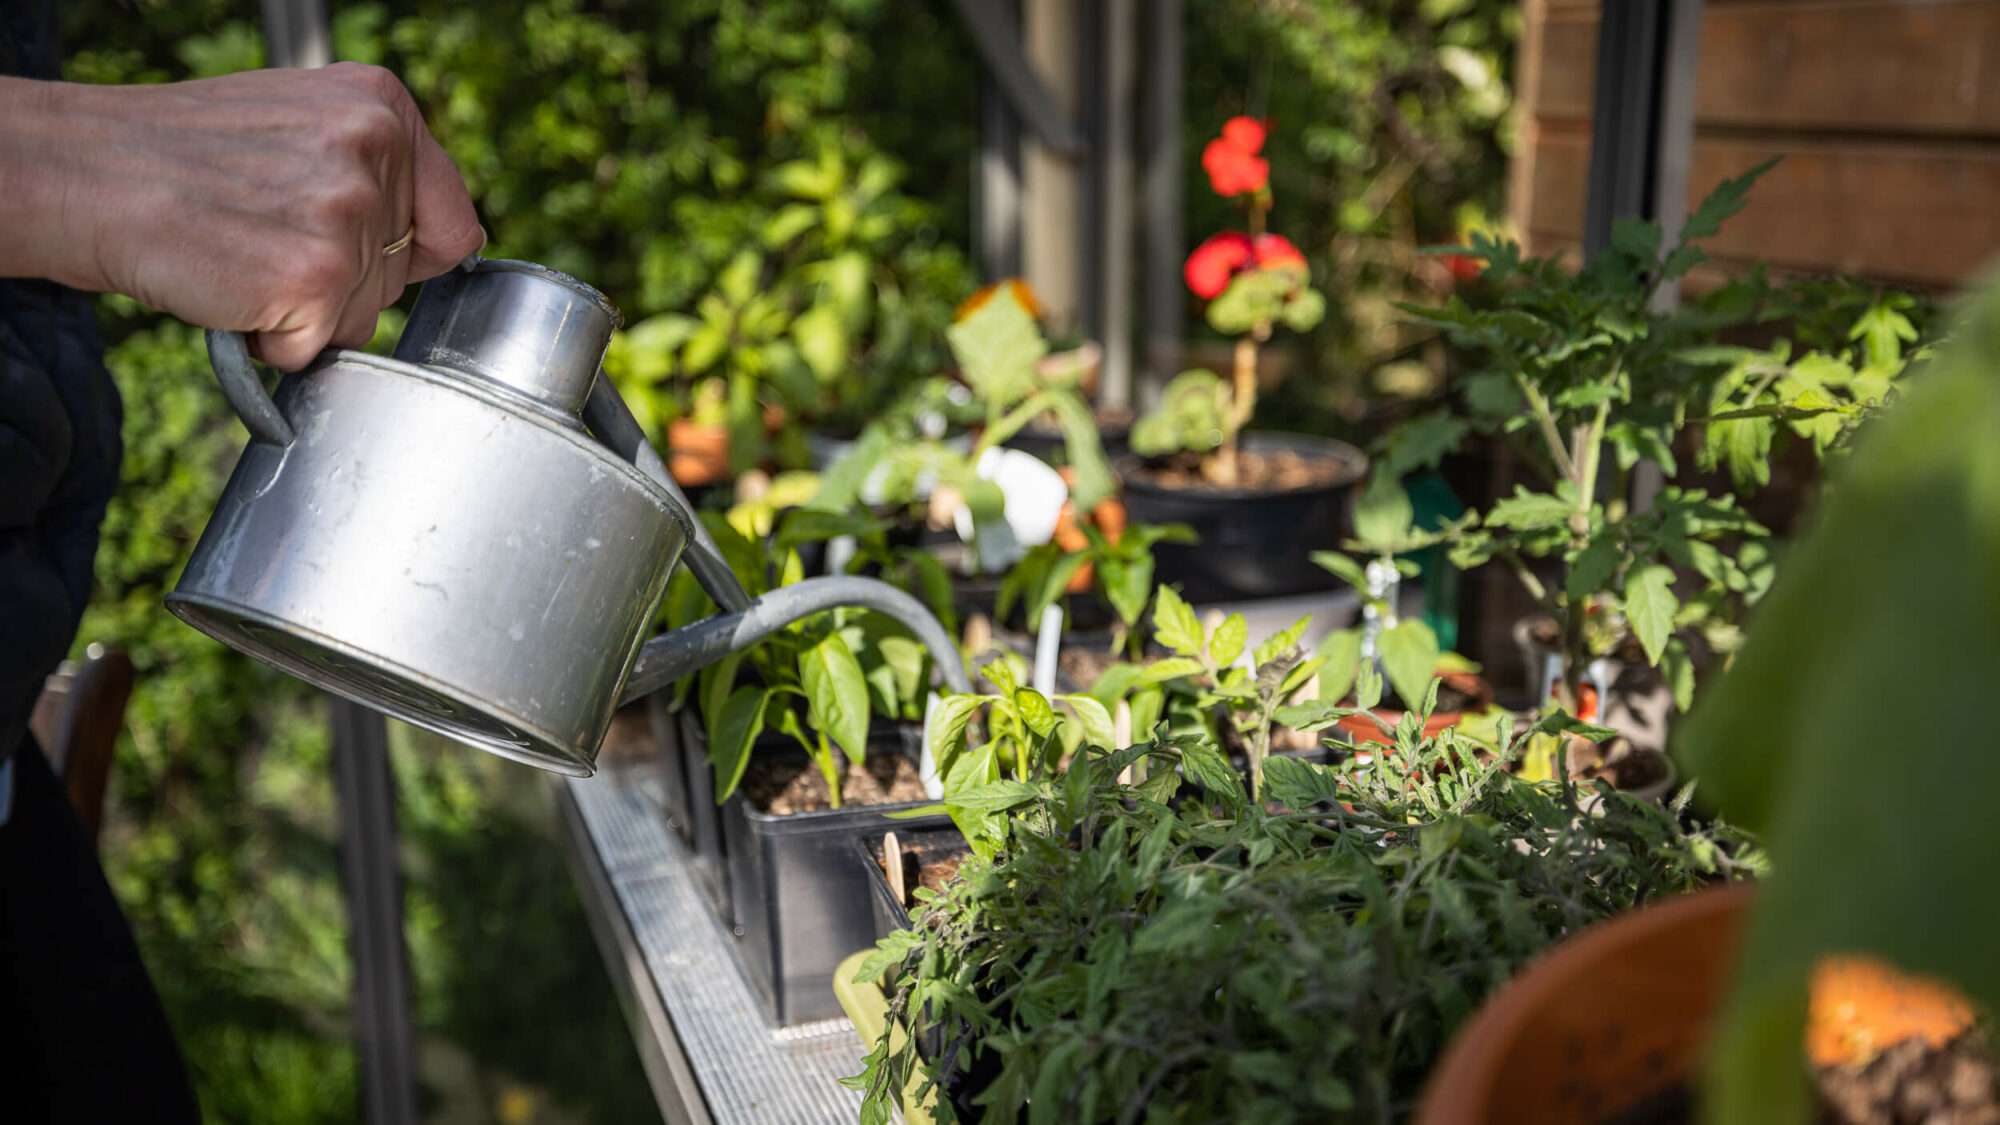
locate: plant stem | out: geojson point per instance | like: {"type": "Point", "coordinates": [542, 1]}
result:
{"type": "Point", "coordinates": [829, 768]}
{"type": "Point", "coordinates": [1544, 418]}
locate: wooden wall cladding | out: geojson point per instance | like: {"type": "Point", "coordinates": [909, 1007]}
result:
{"type": "Point", "coordinates": [1887, 114]}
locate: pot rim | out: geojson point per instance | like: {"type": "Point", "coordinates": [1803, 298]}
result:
{"type": "Point", "coordinates": [1462, 1086]}
{"type": "Point", "coordinates": [1126, 465]}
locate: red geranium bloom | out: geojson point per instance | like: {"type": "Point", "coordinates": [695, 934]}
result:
{"type": "Point", "coordinates": [1246, 133]}
{"type": "Point", "coordinates": [1215, 261]}
{"type": "Point", "coordinates": [1231, 160]}
{"type": "Point", "coordinates": [1275, 251]}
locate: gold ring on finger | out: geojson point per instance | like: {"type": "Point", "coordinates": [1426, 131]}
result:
{"type": "Point", "coordinates": [400, 244]}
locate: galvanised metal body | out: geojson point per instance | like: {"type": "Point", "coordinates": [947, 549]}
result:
{"type": "Point", "coordinates": [437, 535]}
{"type": "Point", "coordinates": [472, 536]}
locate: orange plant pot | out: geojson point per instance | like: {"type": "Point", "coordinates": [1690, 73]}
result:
{"type": "Point", "coordinates": [697, 454]}
{"type": "Point", "coordinates": [1623, 1011]}
{"type": "Point", "coordinates": [1609, 1017]}
{"type": "Point", "coordinates": [1360, 728]}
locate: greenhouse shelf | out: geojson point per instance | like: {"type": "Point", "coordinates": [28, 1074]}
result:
{"type": "Point", "coordinates": [695, 1018]}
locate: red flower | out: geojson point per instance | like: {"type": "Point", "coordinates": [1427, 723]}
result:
{"type": "Point", "coordinates": [1215, 261]}
{"type": "Point", "coordinates": [1275, 251]}
{"type": "Point", "coordinates": [1464, 267]}
{"type": "Point", "coordinates": [1231, 160]}
{"type": "Point", "coordinates": [1246, 133]}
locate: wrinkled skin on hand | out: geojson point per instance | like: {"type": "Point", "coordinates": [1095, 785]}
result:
{"type": "Point", "coordinates": [258, 202]}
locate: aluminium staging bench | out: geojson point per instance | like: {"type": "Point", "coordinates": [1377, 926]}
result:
{"type": "Point", "coordinates": [700, 1030]}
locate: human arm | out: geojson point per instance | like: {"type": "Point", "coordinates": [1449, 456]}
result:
{"type": "Point", "coordinates": [258, 202]}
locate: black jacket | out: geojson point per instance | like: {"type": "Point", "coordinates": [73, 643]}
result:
{"type": "Point", "coordinates": [59, 447]}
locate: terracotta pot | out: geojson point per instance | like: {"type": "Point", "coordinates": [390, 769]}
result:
{"type": "Point", "coordinates": [1608, 1018]}
{"type": "Point", "coordinates": [1622, 1012]}
{"type": "Point", "coordinates": [697, 454]}
{"type": "Point", "coordinates": [1360, 729]}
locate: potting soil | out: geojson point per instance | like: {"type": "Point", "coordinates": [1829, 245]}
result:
{"type": "Point", "coordinates": [1281, 470]}
{"type": "Point", "coordinates": [788, 786]}
{"type": "Point", "coordinates": [1910, 1083]}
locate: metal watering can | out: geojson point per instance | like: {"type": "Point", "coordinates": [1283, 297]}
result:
{"type": "Point", "coordinates": [473, 536]}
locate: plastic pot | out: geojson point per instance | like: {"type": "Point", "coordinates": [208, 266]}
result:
{"type": "Point", "coordinates": [798, 892]}
{"type": "Point", "coordinates": [1253, 544]}
{"type": "Point", "coordinates": [865, 1003]}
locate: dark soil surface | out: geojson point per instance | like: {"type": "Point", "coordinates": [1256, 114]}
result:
{"type": "Point", "coordinates": [928, 868]}
{"type": "Point", "coordinates": [1911, 1083]}
{"type": "Point", "coordinates": [1083, 664]}
{"type": "Point", "coordinates": [789, 785]}
{"type": "Point", "coordinates": [1282, 470]}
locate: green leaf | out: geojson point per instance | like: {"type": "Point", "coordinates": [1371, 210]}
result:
{"type": "Point", "coordinates": [1591, 570]}
{"type": "Point", "coordinates": [822, 340]}
{"type": "Point", "coordinates": [997, 796]}
{"type": "Point", "coordinates": [1529, 511]}
{"type": "Point", "coordinates": [893, 949]}
{"type": "Point", "coordinates": [1299, 785]}
{"type": "Point", "coordinates": [1681, 260]}
{"type": "Point", "coordinates": [945, 732]}
{"type": "Point", "coordinates": [1281, 642]}
{"type": "Point", "coordinates": [1225, 645]}
{"type": "Point", "coordinates": [1409, 656]}
{"type": "Point", "coordinates": [1724, 201]}
{"type": "Point", "coordinates": [1382, 515]}
{"type": "Point", "coordinates": [836, 695]}
{"type": "Point", "coordinates": [997, 348]}
{"type": "Point", "coordinates": [807, 525]}
{"type": "Point", "coordinates": [1172, 668]}
{"type": "Point", "coordinates": [1636, 237]}
{"type": "Point", "coordinates": [1678, 669]}
{"type": "Point", "coordinates": [1175, 625]}
{"type": "Point", "coordinates": [1367, 686]}
{"type": "Point", "coordinates": [1035, 712]}
{"type": "Point", "coordinates": [1206, 767]}
{"type": "Point", "coordinates": [1422, 442]}
{"type": "Point", "coordinates": [1093, 719]}
{"type": "Point", "coordinates": [1342, 650]}
{"type": "Point", "coordinates": [1348, 570]}
{"type": "Point", "coordinates": [1649, 606]}
{"type": "Point", "coordinates": [729, 740]}
{"type": "Point", "coordinates": [1092, 481]}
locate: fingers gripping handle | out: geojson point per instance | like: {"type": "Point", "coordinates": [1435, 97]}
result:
{"type": "Point", "coordinates": [229, 354]}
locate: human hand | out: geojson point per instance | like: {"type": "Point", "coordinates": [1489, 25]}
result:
{"type": "Point", "coordinates": [259, 202]}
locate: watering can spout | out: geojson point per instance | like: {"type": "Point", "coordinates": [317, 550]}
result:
{"type": "Point", "coordinates": [690, 648]}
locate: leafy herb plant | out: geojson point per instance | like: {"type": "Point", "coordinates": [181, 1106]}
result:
{"type": "Point", "coordinates": [819, 680]}
{"type": "Point", "coordinates": [1589, 379]}
{"type": "Point", "coordinates": [997, 347]}
{"type": "Point", "coordinates": [1163, 953]}
{"type": "Point", "coordinates": [1121, 570]}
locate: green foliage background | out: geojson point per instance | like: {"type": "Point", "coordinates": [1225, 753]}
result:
{"type": "Point", "coordinates": [640, 144]}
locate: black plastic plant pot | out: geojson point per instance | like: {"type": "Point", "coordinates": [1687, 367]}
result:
{"type": "Point", "coordinates": [926, 845]}
{"type": "Point", "coordinates": [1254, 544]}
{"type": "Point", "coordinates": [799, 893]}
{"type": "Point", "coordinates": [666, 727]}
{"type": "Point", "coordinates": [692, 788]}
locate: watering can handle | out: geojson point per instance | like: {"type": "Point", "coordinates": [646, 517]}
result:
{"type": "Point", "coordinates": [229, 354]}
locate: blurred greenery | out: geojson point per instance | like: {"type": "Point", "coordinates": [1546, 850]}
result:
{"type": "Point", "coordinates": [642, 145]}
